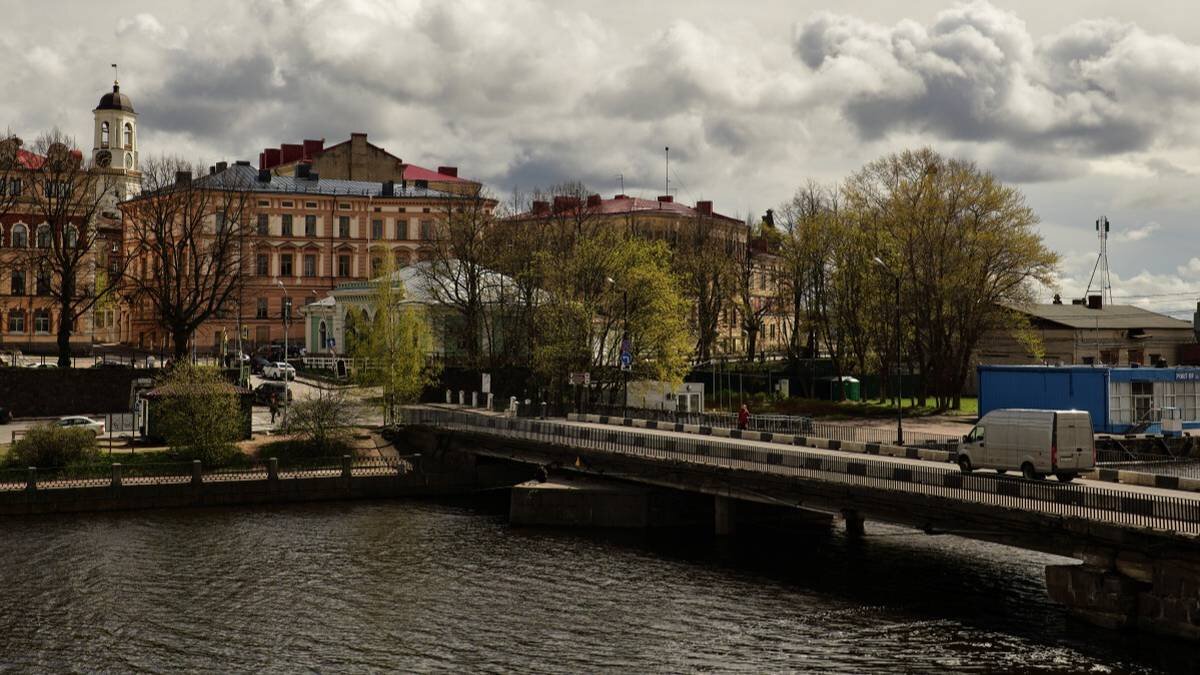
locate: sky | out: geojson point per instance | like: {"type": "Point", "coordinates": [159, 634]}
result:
{"type": "Point", "coordinates": [1090, 108]}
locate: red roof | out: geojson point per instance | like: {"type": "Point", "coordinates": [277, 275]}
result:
{"type": "Point", "coordinates": [626, 204]}
{"type": "Point", "coordinates": [29, 160]}
{"type": "Point", "coordinates": [414, 172]}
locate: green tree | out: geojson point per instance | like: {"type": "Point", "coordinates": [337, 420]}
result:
{"type": "Point", "coordinates": [199, 414]}
{"type": "Point", "coordinates": [392, 349]}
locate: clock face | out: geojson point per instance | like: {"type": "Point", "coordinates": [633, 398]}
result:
{"type": "Point", "coordinates": [103, 159]}
{"type": "Point", "coordinates": [128, 161]}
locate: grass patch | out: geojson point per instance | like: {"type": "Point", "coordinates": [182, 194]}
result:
{"type": "Point", "coordinates": [291, 450]}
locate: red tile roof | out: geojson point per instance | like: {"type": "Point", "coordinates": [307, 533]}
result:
{"type": "Point", "coordinates": [29, 160]}
{"type": "Point", "coordinates": [414, 172]}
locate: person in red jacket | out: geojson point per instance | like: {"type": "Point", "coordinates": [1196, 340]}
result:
{"type": "Point", "coordinates": [743, 417]}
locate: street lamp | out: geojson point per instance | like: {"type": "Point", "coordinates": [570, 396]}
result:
{"type": "Point", "coordinates": [899, 381]}
{"type": "Point", "coordinates": [624, 346]}
{"type": "Point", "coordinates": [287, 314]}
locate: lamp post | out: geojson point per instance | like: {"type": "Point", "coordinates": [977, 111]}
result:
{"type": "Point", "coordinates": [287, 312]}
{"type": "Point", "coordinates": [899, 380]}
{"type": "Point", "coordinates": [624, 344]}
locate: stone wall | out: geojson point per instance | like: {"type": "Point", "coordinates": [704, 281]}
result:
{"type": "Point", "coordinates": [50, 392]}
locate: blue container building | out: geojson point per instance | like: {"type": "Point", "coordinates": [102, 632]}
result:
{"type": "Point", "coordinates": [1120, 400]}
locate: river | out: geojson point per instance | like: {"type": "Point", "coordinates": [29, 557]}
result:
{"type": "Point", "coordinates": [450, 586]}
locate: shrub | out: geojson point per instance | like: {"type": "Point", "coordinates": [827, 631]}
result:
{"type": "Point", "coordinates": [199, 415]}
{"type": "Point", "coordinates": [52, 446]}
{"type": "Point", "coordinates": [323, 422]}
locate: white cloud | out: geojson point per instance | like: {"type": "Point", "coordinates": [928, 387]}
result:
{"type": "Point", "coordinates": [1135, 234]}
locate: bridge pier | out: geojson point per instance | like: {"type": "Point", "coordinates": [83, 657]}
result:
{"type": "Point", "coordinates": [724, 516]}
{"type": "Point", "coordinates": [1124, 589]}
{"type": "Point", "coordinates": [855, 523]}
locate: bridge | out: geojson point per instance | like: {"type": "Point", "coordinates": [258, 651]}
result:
{"type": "Point", "coordinates": [1139, 545]}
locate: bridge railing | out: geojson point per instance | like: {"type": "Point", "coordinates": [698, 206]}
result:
{"type": "Point", "coordinates": [1125, 508]}
{"type": "Point", "coordinates": [792, 424]}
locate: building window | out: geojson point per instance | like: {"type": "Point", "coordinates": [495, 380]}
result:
{"type": "Point", "coordinates": [13, 185]}
{"type": "Point", "coordinates": [285, 265]}
{"type": "Point", "coordinates": [16, 321]}
{"type": "Point", "coordinates": [260, 312]}
{"type": "Point", "coordinates": [104, 134]}
{"type": "Point", "coordinates": [262, 265]}
{"type": "Point", "coordinates": [41, 321]}
{"type": "Point", "coordinates": [20, 236]}
{"type": "Point", "coordinates": [427, 229]}
{"type": "Point", "coordinates": [128, 136]}
{"type": "Point", "coordinates": [221, 221]}
{"type": "Point", "coordinates": [1089, 360]}
{"type": "Point", "coordinates": [310, 265]}
{"type": "Point", "coordinates": [401, 228]}
{"type": "Point", "coordinates": [377, 229]}
{"type": "Point", "coordinates": [310, 205]}
{"type": "Point", "coordinates": [344, 227]}
{"type": "Point", "coordinates": [287, 205]}
{"type": "Point", "coordinates": [343, 265]}
{"type": "Point", "coordinates": [376, 263]}
{"type": "Point", "coordinates": [310, 226]}
{"type": "Point", "coordinates": [18, 282]}
{"type": "Point", "coordinates": [43, 236]}
{"type": "Point", "coordinates": [287, 225]}
{"type": "Point", "coordinates": [344, 207]}
{"type": "Point", "coordinates": [43, 281]}
{"type": "Point", "coordinates": [264, 224]}
{"type": "Point", "coordinates": [263, 202]}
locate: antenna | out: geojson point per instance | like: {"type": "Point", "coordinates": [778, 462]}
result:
{"type": "Point", "coordinates": [667, 173]}
{"type": "Point", "coordinates": [1105, 281]}
{"type": "Point", "coordinates": [621, 177]}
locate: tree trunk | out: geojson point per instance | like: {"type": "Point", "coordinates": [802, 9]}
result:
{"type": "Point", "coordinates": [64, 330]}
{"type": "Point", "coordinates": [179, 344]}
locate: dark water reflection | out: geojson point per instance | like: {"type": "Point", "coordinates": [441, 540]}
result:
{"type": "Point", "coordinates": [417, 586]}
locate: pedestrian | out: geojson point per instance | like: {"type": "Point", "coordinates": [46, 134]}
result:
{"type": "Point", "coordinates": [274, 402]}
{"type": "Point", "coordinates": [743, 417]}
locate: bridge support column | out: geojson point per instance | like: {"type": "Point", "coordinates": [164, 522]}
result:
{"type": "Point", "coordinates": [855, 523]}
{"type": "Point", "coordinates": [1130, 590]}
{"type": "Point", "coordinates": [724, 516]}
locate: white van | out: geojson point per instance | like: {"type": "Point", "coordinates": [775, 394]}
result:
{"type": "Point", "coordinates": [1035, 442]}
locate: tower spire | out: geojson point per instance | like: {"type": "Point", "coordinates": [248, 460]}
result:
{"type": "Point", "coordinates": [116, 82]}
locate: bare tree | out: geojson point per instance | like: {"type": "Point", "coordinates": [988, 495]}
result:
{"type": "Point", "coordinates": [751, 260]}
{"type": "Point", "coordinates": [708, 272]}
{"type": "Point", "coordinates": [190, 239]}
{"type": "Point", "coordinates": [66, 194]}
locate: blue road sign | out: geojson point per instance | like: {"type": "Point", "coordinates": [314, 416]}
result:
{"type": "Point", "coordinates": [626, 360]}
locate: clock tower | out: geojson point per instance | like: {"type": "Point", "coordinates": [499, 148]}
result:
{"type": "Point", "coordinates": [115, 148]}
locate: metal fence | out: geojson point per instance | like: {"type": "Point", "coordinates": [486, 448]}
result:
{"type": "Point", "coordinates": [167, 473]}
{"type": "Point", "coordinates": [795, 425]}
{"type": "Point", "coordinates": [1061, 499]}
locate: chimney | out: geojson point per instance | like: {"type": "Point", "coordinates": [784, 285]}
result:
{"type": "Point", "coordinates": [312, 148]}
{"type": "Point", "coordinates": [314, 176]}
{"type": "Point", "coordinates": [262, 160]}
{"type": "Point", "coordinates": [303, 169]}
{"type": "Point", "coordinates": [242, 162]}
{"type": "Point", "coordinates": [563, 203]}
{"type": "Point", "coordinates": [264, 175]}
{"type": "Point", "coordinates": [621, 197]}
{"type": "Point", "coordinates": [451, 171]}
{"type": "Point", "coordinates": [704, 208]}
{"type": "Point", "coordinates": [1057, 299]}
{"type": "Point", "coordinates": [593, 201]}
{"type": "Point", "coordinates": [183, 177]}
{"type": "Point", "coordinates": [388, 189]}
{"type": "Point", "coordinates": [666, 199]}
{"type": "Point", "coordinates": [1095, 302]}
{"type": "Point", "coordinates": [221, 166]}
{"type": "Point", "coordinates": [291, 152]}
{"type": "Point", "coordinates": [270, 158]}
{"type": "Point", "coordinates": [1077, 301]}
{"type": "Point", "coordinates": [541, 208]}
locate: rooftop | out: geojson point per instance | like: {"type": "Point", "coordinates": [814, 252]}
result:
{"type": "Point", "coordinates": [242, 176]}
{"type": "Point", "coordinates": [1110, 317]}
{"type": "Point", "coordinates": [623, 204]}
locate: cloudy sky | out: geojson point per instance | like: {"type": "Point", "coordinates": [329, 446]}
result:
{"type": "Point", "coordinates": [1092, 108]}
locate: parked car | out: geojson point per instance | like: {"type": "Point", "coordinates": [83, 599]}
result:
{"type": "Point", "coordinates": [81, 422]}
{"type": "Point", "coordinates": [5, 415]}
{"type": "Point", "coordinates": [257, 364]}
{"type": "Point", "coordinates": [1034, 442]}
{"type": "Point", "coordinates": [264, 391]}
{"type": "Point", "coordinates": [43, 365]}
{"type": "Point", "coordinates": [279, 370]}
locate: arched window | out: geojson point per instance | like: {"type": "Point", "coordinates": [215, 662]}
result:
{"type": "Point", "coordinates": [41, 321]}
{"type": "Point", "coordinates": [43, 236]}
{"type": "Point", "coordinates": [72, 236]}
{"type": "Point", "coordinates": [20, 236]}
{"type": "Point", "coordinates": [104, 134]}
{"type": "Point", "coordinates": [128, 136]}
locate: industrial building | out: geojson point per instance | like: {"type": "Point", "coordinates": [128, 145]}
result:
{"type": "Point", "coordinates": [1120, 400]}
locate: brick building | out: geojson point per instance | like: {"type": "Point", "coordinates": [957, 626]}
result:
{"type": "Point", "coordinates": [308, 234]}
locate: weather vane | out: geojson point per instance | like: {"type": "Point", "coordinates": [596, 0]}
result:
{"type": "Point", "coordinates": [115, 80]}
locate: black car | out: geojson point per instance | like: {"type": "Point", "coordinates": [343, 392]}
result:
{"type": "Point", "coordinates": [257, 363]}
{"type": "Point", "coordinates": [264, 391]}
{"type": "Point", "coordinates": [5, 415]}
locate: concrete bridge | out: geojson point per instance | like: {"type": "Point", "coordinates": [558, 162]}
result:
{"type": "Point", "coordinates": [1139, 546]}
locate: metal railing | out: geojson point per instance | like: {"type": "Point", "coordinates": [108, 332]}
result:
{"type": "Point", "coordinates": [168, 473]}
{"type": "Point", "coordinates": [794, 424]}
{"type": "Point", "coordinates": [1124, 508]}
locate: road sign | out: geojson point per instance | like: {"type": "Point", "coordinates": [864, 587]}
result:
{"type": "Point", "coordinates": [626, 361]}
{"type": "Point", "coordinates": [580, 379]}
